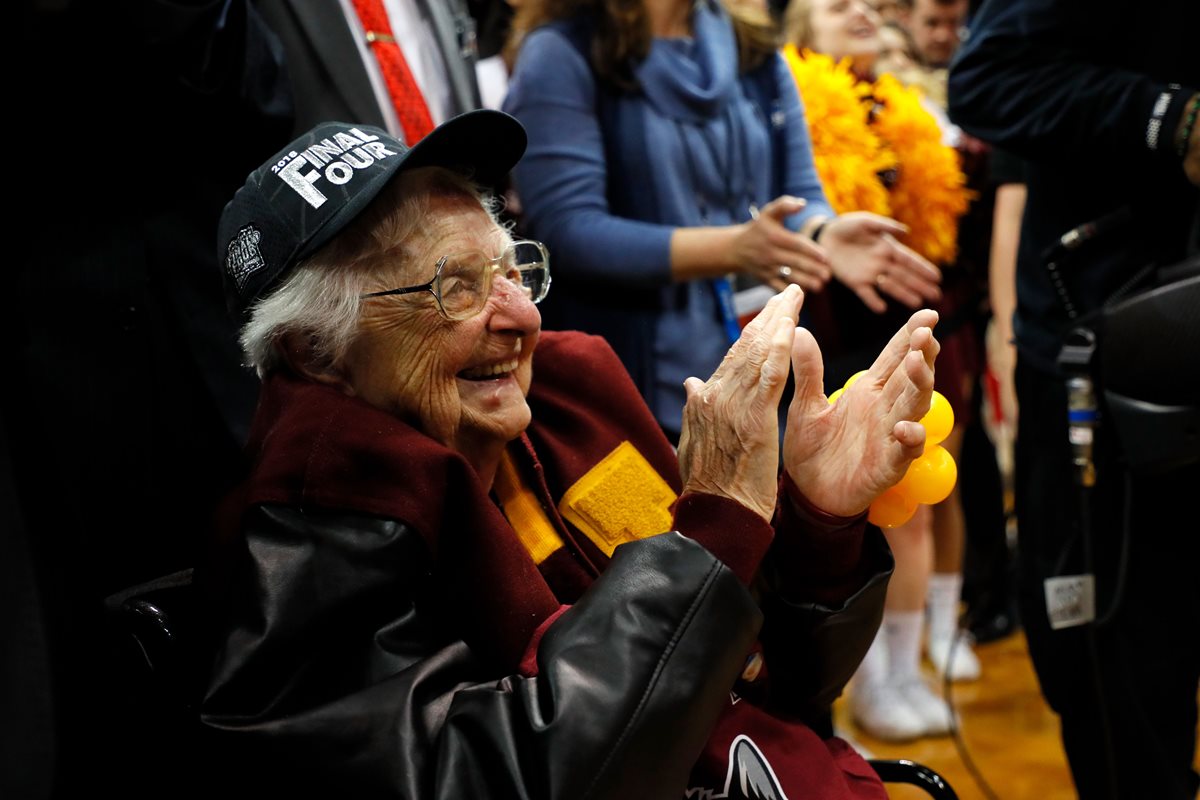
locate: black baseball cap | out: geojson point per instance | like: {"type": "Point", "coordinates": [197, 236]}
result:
{"type": "Point", "coordinates": [312, 189]}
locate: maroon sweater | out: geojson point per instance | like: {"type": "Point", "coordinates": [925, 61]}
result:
{"type": "Point", "coordinates": [314, 447]}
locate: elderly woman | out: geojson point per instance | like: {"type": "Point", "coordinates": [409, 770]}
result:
{"type": "Point", "coordinates": [466, 562]}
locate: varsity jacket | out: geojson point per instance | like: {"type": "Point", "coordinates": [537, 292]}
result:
{"type": "Point", "coordinates": [384, 625]}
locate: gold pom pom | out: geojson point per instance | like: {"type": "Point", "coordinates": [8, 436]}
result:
{"type": "Point", "coordinates": [862, 133]}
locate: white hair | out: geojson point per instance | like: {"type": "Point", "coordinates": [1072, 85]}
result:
{"type": "Point", "coordinates": [321, 298]}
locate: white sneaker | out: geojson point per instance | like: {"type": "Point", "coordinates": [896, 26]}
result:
{"type": "Point", "coordinates": [932, 710]}
{"type": "Point", "coordinates": [966, 663]}
{"type": "Point", "coordinates": [882, 712]}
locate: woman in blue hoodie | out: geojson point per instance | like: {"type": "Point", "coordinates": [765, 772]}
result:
{"type": "Point", "coordinates": [668, 161]}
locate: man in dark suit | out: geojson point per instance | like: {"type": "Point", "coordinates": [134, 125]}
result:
{"type": "Point", "coordinates": [335, 77]}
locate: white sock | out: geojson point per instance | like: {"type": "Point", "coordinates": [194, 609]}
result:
{"type": "Point", "coordinates": [873, 670]}
{"type": "Point", "coordinates": [945, 589]}
{"type": "Point", "coordinates": [903, 630]}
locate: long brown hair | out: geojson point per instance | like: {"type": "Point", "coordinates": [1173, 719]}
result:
{"type": "Point", "coordinates": [621, 33]}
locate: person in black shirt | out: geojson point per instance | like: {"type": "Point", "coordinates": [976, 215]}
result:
{"type": "Point", "coordinates": [1101, 98]}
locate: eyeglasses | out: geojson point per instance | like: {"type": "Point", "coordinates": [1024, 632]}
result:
{"type": "Point", "coordinates": [462, 283]}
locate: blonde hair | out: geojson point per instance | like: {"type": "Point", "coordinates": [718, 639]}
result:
{"type": "Point", "coordinates": [797, 24]}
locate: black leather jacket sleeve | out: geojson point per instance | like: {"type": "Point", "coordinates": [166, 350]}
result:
{"type": "Point", "coordinates": [335, 671]}
{"type": "Point", "coordinates": [813, 649]}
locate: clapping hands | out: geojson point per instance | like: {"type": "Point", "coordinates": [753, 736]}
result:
{"type": "Point", "coordinates": [867, 258]}
{"type": "Point", "coordinates": [841, 456]}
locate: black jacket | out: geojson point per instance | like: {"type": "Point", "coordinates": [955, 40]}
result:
{"type": "Point", "coordinates": [391, 703]}
{"type": "Point", "coordinates": [347, 656]}
{"type": "Point", "coordinates": [350, 686]}
{"type": "Point", "coordinates": [1074, 87]}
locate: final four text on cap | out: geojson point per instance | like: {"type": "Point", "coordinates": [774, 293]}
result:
{"type": "Point", "coordinates": [335, 160]}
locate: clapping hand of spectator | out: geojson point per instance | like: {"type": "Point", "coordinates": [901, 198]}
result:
{"type": "Point", "coordinates": [866, 257]}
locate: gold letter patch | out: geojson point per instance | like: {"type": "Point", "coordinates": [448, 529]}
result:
{"type": "Point", "coordinates": [619, 500]}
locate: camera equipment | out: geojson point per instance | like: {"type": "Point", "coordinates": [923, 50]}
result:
{"type": "Point", "coordinates": [1075, 359]}
{"type": "Point", "coordinates": [1140, 347]}
{"type": "Point", "coordinates": [1149, 349]}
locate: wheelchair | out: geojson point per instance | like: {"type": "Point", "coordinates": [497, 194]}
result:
{"type": "Point", "coordinates": [148, 629]}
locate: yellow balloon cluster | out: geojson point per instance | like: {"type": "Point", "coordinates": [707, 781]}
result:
{"type": "Point", "coordinates": [929, 479]}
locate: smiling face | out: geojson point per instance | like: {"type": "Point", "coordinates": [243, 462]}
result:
{"type": "Point", "coordinates": [845, 28]}
{"type": "Point", "coordinates": [463, 383]}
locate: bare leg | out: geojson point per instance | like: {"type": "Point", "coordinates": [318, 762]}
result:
{"type": "Point", "coordinates": [889, 699]}
{"type": "Point", "coordinates": [949, 531]}
{"type": "Point", "coordinates": [912, 546]}
{"type": "Point", "coordinates": [945, 584]}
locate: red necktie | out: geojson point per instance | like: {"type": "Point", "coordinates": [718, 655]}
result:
{"type": "Point", "coordinates": [406, 95]}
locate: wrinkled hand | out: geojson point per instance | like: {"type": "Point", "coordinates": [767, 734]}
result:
{"type": "Point", "coordinates": [765, 245]}
{"type": "Point", "coordinates": [843, 456]}
{"type": "Point", "coordinates": [729, 445]}
{"type": "Point", "coordinates": [865, 256]}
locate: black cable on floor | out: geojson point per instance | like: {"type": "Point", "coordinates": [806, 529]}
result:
{"type": "Point", "coordinates": [960, 744]}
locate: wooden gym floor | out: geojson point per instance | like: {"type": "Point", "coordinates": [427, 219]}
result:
{"type": "Point", "coordinates": [1009, 731]}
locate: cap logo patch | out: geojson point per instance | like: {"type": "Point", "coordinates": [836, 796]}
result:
{"type": "Point", "coordinates": [243, 258]}
{"type": "Point", "coordinates": [334, 160]}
